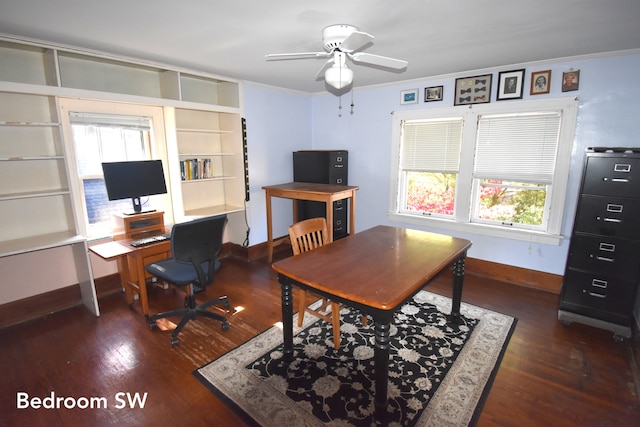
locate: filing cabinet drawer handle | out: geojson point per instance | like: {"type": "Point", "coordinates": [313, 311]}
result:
{"type": "Point", "coordinates": [607, 247]}
{"type": "Point", "coordinates": [612, 220]}
{"type": "Point", "coordinates": [599, 283]}
{"type": "Point", "coordinates": [603, 258]}
{"type": "Point", "coordinates": [619, 180]}
{"type": "Point", "coordinates": [614, 208]}
{"type": "Point", "coordinates": [622, 167]}
{"type": "Point", "coordinates": [595, 294]}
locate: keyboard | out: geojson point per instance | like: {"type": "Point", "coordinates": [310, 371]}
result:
{"type": "Point", "coordinates": [149, 240]}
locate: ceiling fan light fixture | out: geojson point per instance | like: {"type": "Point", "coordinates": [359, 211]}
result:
{"type": "Point", "coordinates": [338, 77]}
{"type": "Point", "coordinates": [343, 41]}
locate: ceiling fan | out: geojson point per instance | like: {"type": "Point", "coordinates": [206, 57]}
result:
{"type": "Point", "coordinates": [342, 41]}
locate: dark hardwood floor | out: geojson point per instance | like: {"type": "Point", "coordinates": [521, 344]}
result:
{"type": "Point", "coordinates": [551, 375]}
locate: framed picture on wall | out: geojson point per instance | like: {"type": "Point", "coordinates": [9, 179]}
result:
{"type": "Point", "coordinates": [570, 80]}
{"type": "Point", "coordinates": [433, 93]}
{"type": "Point", "coordinates": [540, 82]}
{"type": "Point", "coordinates": [473, 90]}
{"type": "Point", "coordinates": [510, 84]}
{"type": "Point", "coordinates": [409, 96]}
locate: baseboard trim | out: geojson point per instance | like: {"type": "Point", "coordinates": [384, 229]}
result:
{"type": "Point", "coordinates": [517, 275]}
{"type": "Point", "coordinates": [38, 306]}
{"type": "Point", "coordinates": [60, 299]}
{"type": "Point", "coordinates": [255, 252]}
{"type": "Point", "coordinates": [502, 272]}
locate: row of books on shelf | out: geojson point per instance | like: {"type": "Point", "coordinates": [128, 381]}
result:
{"type": "Point", "coordinates": [191, 169]}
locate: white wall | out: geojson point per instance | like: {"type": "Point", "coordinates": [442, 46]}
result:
{"type": "Point", "coordinates": [278, 123]}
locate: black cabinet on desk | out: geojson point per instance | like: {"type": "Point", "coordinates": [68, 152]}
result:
{"type": "Point", "coordinates": [323, 167]}
{"type": "Point", "coordinates": [603, 267]}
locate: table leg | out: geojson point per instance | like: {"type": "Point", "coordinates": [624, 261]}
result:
{"type": "Point", "coordinates": [287, 317]}
{"type": "Point", "coordinates": [123, 268]}
{"type": "Point", "coordinates": [352, 214]}
{"type": "Point", "coordinates": [458, 277]}
{"type": "Point", "coordinates": [381, 366]}
{"type": "Point", "coordinates": [269, 228]}
{"type": "Point", "coordinates": [142, 285]}
{"type": "Point", "coordinates": [329, 216]}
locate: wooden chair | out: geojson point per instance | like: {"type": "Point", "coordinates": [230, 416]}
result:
{"type": "Point", "coordinates": [305, 236]}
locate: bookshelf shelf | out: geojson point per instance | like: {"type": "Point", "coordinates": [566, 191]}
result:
{"type": "Point", "coordinates": [33, 194]}
{"type": "Point", "coordinates": [214, 210]}
{"type": "Point", "coordinates": [29, 158]}
{"type": "Point", "coordinates": [215, 178]}
{"type": "Point", "coordinates": [34, 124]}
{"type": "Point", "coordinates": [211, 131]}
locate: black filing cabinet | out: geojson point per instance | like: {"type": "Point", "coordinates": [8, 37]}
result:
{"type": "Point", "coordinates": [603, 267]}
{"type": "Point", "coordinates": [323, 167]}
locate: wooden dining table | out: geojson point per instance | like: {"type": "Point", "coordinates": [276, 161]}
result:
{"type": "Point", "coordinates": [375, 271]}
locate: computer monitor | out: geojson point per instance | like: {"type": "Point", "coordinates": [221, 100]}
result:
{"type": "Point", "coordinates": [133, 180]}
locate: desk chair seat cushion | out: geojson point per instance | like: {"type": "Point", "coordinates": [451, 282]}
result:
{"type": "Point", "coordinates": [178, 273]}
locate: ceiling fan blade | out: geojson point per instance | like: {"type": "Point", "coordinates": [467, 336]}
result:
{"type": "Point", "coordinates": [356, 41]}
{"type": "Point", "coordinates": [320, 73]}
{"type": "Point", "coordinates": [302, 55]}
{"type": "Point", "coordinates": [382, 61]}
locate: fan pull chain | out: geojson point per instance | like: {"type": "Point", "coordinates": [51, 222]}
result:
{"type": "Point", "coordinates": [352, 104]}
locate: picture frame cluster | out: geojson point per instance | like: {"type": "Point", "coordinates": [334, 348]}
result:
{"type": "Point", "coordinates": [478, 89]}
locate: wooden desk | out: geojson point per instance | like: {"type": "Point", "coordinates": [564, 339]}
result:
{"type": "Point", "coordinates": [327, 193]}
{"type": "Point", "coordinates": [375, 271]}
{"type": "Point", "coordinates": [131, 262]}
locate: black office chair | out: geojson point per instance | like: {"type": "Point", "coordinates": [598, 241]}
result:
{"type": "Point", "coordinates": [195, 246]}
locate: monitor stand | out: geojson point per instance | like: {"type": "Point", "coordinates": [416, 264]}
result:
{"type": "Point", "coordinates": [137, 207]}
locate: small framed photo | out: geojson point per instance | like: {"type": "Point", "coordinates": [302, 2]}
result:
{"type": "Point", "coordinates": [570, 80]}
{"type": "Point", "coordinates": [409, 96]}
{"type": "Point", "coordinates": [510, 84]}
{"type": "Point", "coordinates": [433, 93]}
{"type": "Point", "coordinates": [473, 90]}
{"type": "Point", "coordinates": [540, 82]}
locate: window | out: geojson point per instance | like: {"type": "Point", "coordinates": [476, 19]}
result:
{"type": "Point", "coordinates": [98, 132]}
{"type": "Point", "coordinates": [430, 158]}
{"type": "Point", "coordinates": [495, 169]}
{"type": "Point", "coordinates": [105, 138]}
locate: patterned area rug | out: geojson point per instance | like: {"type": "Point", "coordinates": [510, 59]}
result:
{"type": "Point", "coordinates": [438, 375]}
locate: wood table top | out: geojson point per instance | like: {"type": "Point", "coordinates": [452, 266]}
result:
{"type": "Point", "coordinates": [380, 267]}
{"type": "Point", "coordinates": [311, 187]}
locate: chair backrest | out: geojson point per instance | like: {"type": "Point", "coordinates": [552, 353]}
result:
{"type": "Point", "coordinates": [197, 242]}
{"type": "Point", "coordinates": [308, 234]}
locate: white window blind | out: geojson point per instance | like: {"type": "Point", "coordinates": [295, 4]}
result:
{"type": "Point", "coordinates": [108, 120]}
{"type": "Point", "coordinates": [519, 148]}
{"type": "Point", "coordinates": [431, 145]}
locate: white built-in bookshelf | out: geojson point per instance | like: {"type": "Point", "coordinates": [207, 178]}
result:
{"type": "Point", "coordinates": [212, 139]}
{"type": "Point", "coordinates": [202, 120]}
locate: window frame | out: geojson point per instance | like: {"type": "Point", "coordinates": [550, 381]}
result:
{"type": "Point", "coordinates": [462, 220]}
{"type": "Point", "coordinates": [158, 147]}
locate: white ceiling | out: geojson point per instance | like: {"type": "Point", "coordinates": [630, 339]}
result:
{"type": "Point", "coordinates": [230, 38]}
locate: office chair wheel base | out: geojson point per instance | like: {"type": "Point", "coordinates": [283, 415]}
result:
{"type": "Point", "coordinates": [225, 326]}
{"type": "Point", "coordinates": [175, 342]}
{"type": "Point", "coordinates": [152, 324]}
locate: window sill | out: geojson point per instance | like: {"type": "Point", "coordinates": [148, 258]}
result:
{"type": "Point", "coordinates": [483, 229]}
